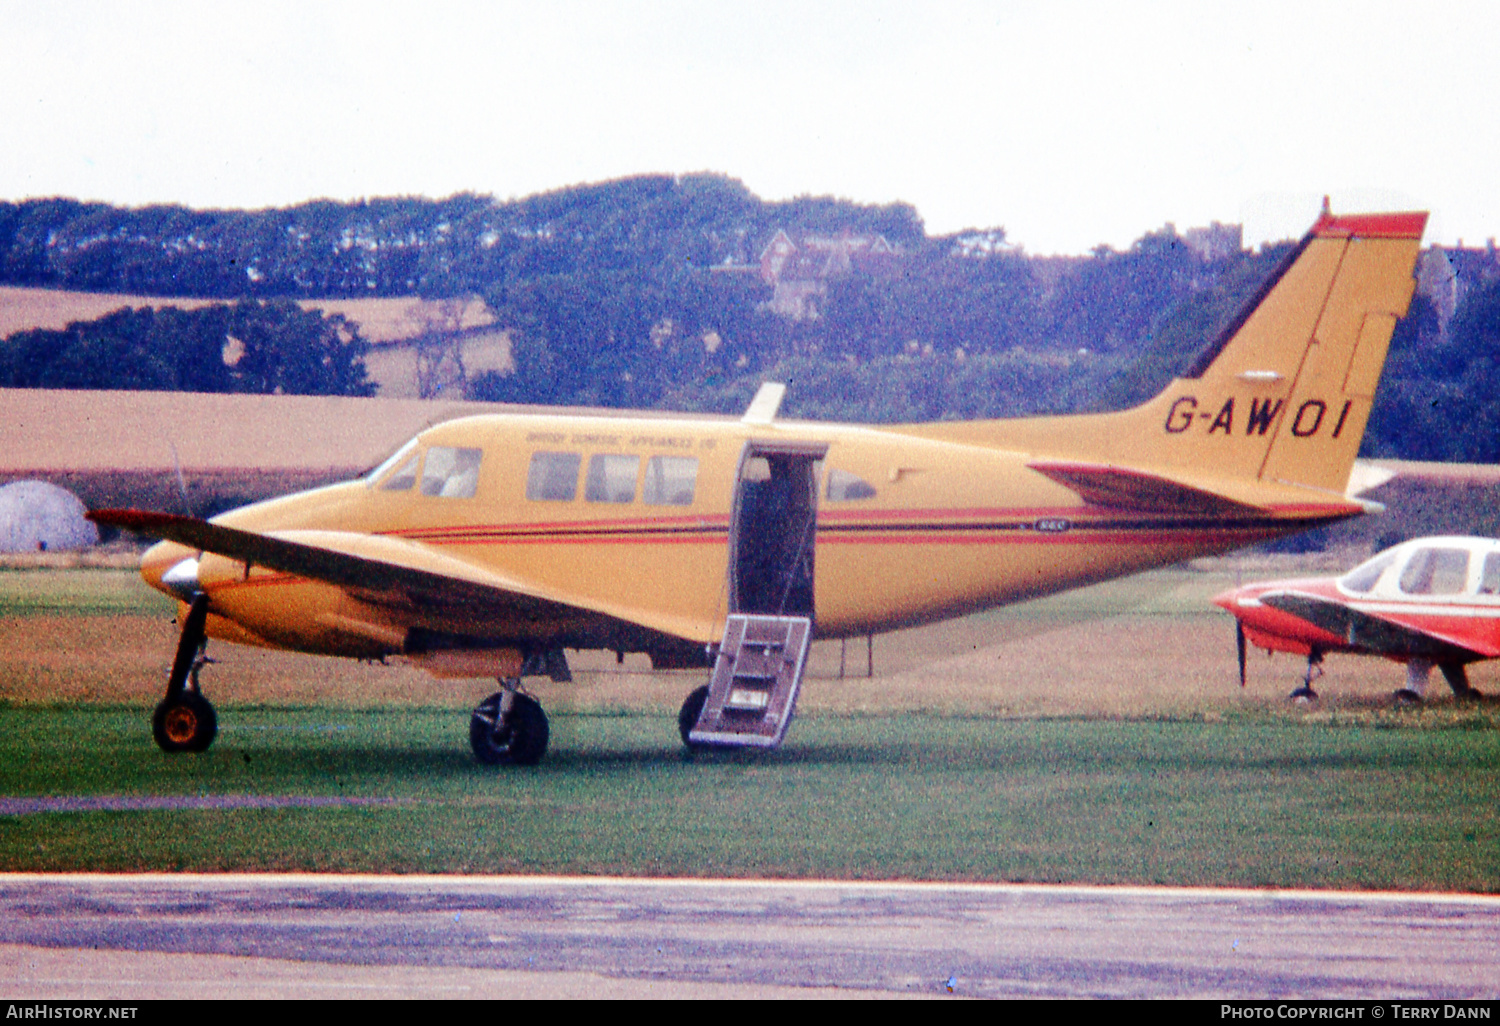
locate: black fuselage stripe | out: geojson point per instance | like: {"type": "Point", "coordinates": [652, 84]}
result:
{"type": "Point", "coordinates": [1133, 524]}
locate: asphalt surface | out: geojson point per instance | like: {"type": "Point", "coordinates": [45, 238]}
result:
{"type": "Point", "coordinates": [137, 937]}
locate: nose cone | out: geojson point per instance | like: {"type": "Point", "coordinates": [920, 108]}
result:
{"type": "Point", "coordinates": [165, 566]}
{"type": "Point", "coordinates": [1236, 600]}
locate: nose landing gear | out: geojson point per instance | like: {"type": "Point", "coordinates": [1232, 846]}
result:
{"type": "Point", "coordinates": [184, 720]}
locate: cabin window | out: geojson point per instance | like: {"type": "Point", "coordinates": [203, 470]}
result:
{"type": "Point", "coordinates": [404, 477]}
{"type": "Point", "coordinates": [553, 476]}
{"type": "Point", "coordinates": [451, 473]}
{"type": "Point", "coordinates": [670, 481]}
{"type": "Point", "coordinates": [1436, 572]}
{"type": "Point", "coordinates": [844, 486]}
{"type": "Point", "coordinates": [1363, 577]}
{"type": "Point", "coordinates": [1489, 581]}
{"type": "Point", "coordinates": [611, 478]}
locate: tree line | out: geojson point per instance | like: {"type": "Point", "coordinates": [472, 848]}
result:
{"type": "Point", "coordinates": [266, 348]}
{"type": "Point", "coordinates": [646, 292]}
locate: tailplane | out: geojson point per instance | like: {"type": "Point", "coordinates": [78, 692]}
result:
{"type": "Point", "coordinates": [1281, 397]}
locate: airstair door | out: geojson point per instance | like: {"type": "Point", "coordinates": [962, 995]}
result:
{"type": "Point", "coordinates": [772, 536]}
{"type": "Point", "coordinates": [773, 528]}
{"type": "Point", "coordinates": [756, 678]}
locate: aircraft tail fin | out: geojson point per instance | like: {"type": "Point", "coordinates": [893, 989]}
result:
{"type": "Point", "coordinates": [1283, 394]}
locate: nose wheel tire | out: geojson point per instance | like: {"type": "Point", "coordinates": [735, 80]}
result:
{"type": "Point", "coordinates": [515, 737]}
{"type": "Point", "coordinates": [186, 723]}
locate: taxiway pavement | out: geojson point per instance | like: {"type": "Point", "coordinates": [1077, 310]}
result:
{"type": "Point", "coordinates": [196, 936]}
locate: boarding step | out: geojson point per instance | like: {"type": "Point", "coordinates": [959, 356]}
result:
{"type": "Point", "coordinates": [755, 683]}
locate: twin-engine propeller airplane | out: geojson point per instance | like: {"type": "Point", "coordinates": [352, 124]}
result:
{"type": "Point", "coordinates": [488, 545]}
{"type": "Point", "coordinates": [1428, 602]}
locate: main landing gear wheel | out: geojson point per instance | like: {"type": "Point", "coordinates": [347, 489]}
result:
{"type": "Point", "coordinates": [687, 716]}
{"type": "Point", "coordinates": [186, 723]}
{"type": "Point", "coordinates": [508, 729]}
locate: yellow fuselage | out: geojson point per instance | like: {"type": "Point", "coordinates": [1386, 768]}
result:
{"type": "Point", "coordinates": [934, 529]}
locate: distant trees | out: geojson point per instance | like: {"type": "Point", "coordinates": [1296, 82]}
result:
{"type": "Point", "coordinates": [1184, 320]}
{"type": "Point", "coordinates": [917, 387]}
{"type": "Point", "coordinates": [1438, 397]}
{"type": "Point", "coordinates": [273, 347]}
{"type": "Point", "coordinates": [941, 296]}
{"type": "Point", "coordinates": [649, 292]}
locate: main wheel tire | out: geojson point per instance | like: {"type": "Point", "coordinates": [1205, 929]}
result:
{"type": "Point", "coordinates": [520, 739]}
{"type": "Point", "coordinates": [186, 723]}
{"type": "Point", "coordinates": [687, 716]}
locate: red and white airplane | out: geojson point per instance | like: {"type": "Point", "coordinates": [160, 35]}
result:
{"type": "Point", "coordinates": [1426, 602]}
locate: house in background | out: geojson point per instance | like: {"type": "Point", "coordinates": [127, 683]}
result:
{"type": "Point", "coordinates": [798, 271]}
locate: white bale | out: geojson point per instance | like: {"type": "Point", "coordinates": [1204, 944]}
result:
{"type": "Point", "coordinates": [36, 516]}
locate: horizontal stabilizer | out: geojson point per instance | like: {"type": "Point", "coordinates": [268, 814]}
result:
{"type": "Point", "coordinates": [1119, 488]}
{"type": "Point", "coordinates": [1375, 633]}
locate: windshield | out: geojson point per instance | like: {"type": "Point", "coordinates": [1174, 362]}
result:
{"type": "Point", "coordinates": [1363, 577]}
{"type": "Point", "coordinates": [378, 471]}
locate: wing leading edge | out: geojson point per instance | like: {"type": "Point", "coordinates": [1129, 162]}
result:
{"type": "Point", "coordinates": [1373, 633]}
{"type": "Point", "coordinates": [394, 572]}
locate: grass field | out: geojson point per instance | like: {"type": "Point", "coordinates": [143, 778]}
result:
{"type": "Point", "coordinates": [1253, 801]}
{"type": "Point", "coordinates": [1097, 737]}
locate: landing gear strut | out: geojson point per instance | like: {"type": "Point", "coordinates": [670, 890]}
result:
{"type": "Point", "coordinates": [1417, 672]}
{"type": "Point", "coordinates": [1458, 679]}
{"type": "Point", "coordinates": [508, 728]}
{"type": "Point", "coordinates": [184, 721]}
{"type": "Point", "coordinates": [1314, 670]}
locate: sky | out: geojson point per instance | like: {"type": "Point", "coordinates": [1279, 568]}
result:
{"type": "Point", "coordinates": [1071, 125]}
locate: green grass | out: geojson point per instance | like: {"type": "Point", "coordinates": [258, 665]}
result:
{"type": "Point", "coordinates": [77, 592]}
{"type": "Point", "coordinates": [1250, 800]}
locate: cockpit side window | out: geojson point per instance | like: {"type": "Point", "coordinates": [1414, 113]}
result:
{"type": "Point", "coordinates": [845, 487]}
{"type": "Point", "coordinates": [1434, 571]}
{"type": "Point", "coordinates": [1363, 577]}
{"type": "Point", "coordinates": [553, 476]}
{"type": "Point", "coordinates": [451, 473]}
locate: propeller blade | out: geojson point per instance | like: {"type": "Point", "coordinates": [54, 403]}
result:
{"type": "Point", "coordinates": [1239, 644]}
{"type": "Point", "coordinates": [181, 481]}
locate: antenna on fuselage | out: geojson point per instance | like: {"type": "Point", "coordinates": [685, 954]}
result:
{"type": "Point", "coordinates": [762, 409]}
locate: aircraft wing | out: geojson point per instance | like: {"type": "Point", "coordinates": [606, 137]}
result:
{"type": "Point", "coordinates": [1377, 634]}
{"type": "Point", "coordinates": [392, 571]}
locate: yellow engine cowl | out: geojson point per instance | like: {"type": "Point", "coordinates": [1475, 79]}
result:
{"type": "Point", "coordinates": [287, 611]}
